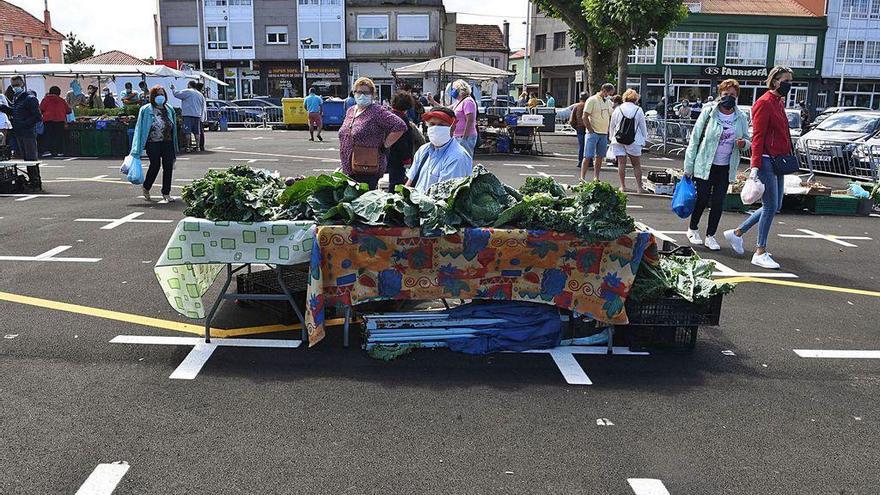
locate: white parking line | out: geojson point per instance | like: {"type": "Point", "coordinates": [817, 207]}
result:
{"type": "Point", "coordinates": [836, 354]}
{"type": "Point", "coordinates": [103, 479]}
{"type": "Point", "coordinates": [28, 197]}
{"type": "Point", "coordinates": [647, 486]}
{"type": "Point", "coordinates": [837, 239]}
{"type": "Point", "coordinates": [568, 365]}
{"type": "Point", "coordinates": [112, 223]}
{"type": "Point", "coordinates": [50, 256]}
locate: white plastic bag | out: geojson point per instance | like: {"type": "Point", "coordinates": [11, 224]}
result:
{"type": "Point", "coordinates": [126, 165]}
{"type": "Point", "coordinates": [752, 191]}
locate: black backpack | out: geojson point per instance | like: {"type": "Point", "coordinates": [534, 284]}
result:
{"type": "Point", "coordinates": [626, 131]}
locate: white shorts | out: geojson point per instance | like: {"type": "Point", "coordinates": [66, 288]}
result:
{"type": "Point", "coordinates": [626, 149]}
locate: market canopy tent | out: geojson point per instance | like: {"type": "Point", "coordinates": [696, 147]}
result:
{"type": "Point", "coordinates": [452, 65]}
{"type": "Point", "coordinates": [88, 70]}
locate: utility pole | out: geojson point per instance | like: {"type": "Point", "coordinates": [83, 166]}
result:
{"type": "Point", "coordinates": [845, 50]}
{"type": "Point", "coordinates": [199, 25]}
{"type": "Point", "coordinates": [526, 73]}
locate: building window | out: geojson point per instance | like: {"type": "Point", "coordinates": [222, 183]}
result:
{"type": "Point", "coordinates": [331, 2]}
{"type": "Point", "coordinates": [29, 50]}
{"type": "Point", "coordinates": [9, 53]}
{"type": "Point", "coordinates": [412, 27]}
{"type": "Point", "coordinates": [217, 38]}
{"type": "Point", "coordinates": [512, 67]}
{"type": "Point", "coordinates": [850, 52]}
{"type": "Point", "coordinates": [372, 27]}
{"type": "Point", "coordinates": [746, 49]}
{"type": "Point", "coordinates": [308, 2]}
{"type": "Point", "coordinates": [686, 48]}
{"type": "Point", "coordinates": [797, 52]}
{"type": "Point", "coordinates": [183, 35]}
{"type": "Point", "coordinates": [559, 41]}
{"type": "Point", "coordinates": [331, 35]}
{"type": "Point", "coordinates": [872, 52]}
{"type": "Point", "coordinates": [276, 35]}
{"type": "Point", "coordinates": [241, 35]}
{"type": "Point", "coordinates": [857, 9]}
{"type": "Point", "coordinates": [494, 61]}
{"type": "Point", "coordinates": [46, 52]}
{"type": "Point", "coordinates": [540, 42]}
{"type": "Point", "coordinates": [644, 54]}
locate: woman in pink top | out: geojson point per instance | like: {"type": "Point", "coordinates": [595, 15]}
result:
{"type": "Point", "coordinates": [465, 109]}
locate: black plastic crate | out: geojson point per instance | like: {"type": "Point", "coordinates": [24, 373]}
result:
{"type": "Point", "coordinates": [8, 172]}
{"type": "Point", "coordinates": [667, 338]}
{"type": "Point", "coordinates": [675, 311]}
{"type": "Point", "coordinates": [296, 279]}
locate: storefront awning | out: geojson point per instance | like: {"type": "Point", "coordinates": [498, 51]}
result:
{"type": "Point", "coordinates": [452, 65]}
{"type": "Point", "coordinates": [88, 70]}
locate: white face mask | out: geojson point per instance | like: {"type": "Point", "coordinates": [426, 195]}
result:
{"type": "Point", "coordinates": [439, 135]}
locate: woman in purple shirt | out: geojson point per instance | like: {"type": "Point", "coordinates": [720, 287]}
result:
{"type": "Point", "coordinates": [465, 109]}
{"type": "Point", "coordinates": [366, 135]}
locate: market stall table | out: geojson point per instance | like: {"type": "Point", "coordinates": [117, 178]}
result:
{"type": "Point", "coordinates": [352, 265]}
{"type": "Point", "coordinates": [200, 249]}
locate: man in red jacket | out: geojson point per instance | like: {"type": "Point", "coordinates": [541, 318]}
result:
{"type": "Point", "coordinates": [55, 111]}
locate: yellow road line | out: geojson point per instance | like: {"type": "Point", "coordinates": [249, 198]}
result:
{"type": "Point", "coordinates": [800, 285]}
{"type": "Point", "coordinates": [148, 321]}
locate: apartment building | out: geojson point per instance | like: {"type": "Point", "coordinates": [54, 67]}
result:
{"type": "Point", "coordinates": [28, 40]}
{"type": "Point", "coordinates": [852, 49]}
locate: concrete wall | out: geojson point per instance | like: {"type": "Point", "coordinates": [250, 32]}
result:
{"type": "Point", "coordinates": [275, 13]}
{"type": "Point", "coordinates": [393, 49]}
{"type": "Point", "coordinates": [177, 13]}
{"type": "Point", "coordinates": [550, 57]}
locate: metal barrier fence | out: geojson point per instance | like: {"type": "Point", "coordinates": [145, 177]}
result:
{"type": "Point", "coordinates": [669, 136]}
{"type": "Point", "coordinates": [237, 116]}
{"type": "Point", "coordinates": [840, 158]}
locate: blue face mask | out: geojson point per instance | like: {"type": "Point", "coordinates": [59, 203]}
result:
{"type": "Point", "coordinates": [160, 100]}
{"type": "Point", "coordinates": [17, 89]}
{"type": "Point", "coordinates": [454, 93]}
{"type": "Point", "coordinates": [363, 100]}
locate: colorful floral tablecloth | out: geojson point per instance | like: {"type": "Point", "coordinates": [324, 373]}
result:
{"type": "Point", "coordinates": [199, 249]}
{"type": "Point", "coordinates": [352, 265]}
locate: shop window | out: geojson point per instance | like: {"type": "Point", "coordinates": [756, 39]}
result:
{"type": "Point", "coordinates": [644, 54]}
{"type": "Point", "coordinates": [686, 48]}
{"type": "Point", "coordinates": [217, 38]}
{"type": "Point", "coordinates": [183, 35]}
{"type": "Point", "coordinates": [850, 51]}
{"type": "Point", "coordinates": [540, 42]}
{"type": "Point", "coordinates": [276, 35]}
{"type": "Point", "coordinates": [559, 40]}
{"type": "Point", "coordinates": [798, 52]}
{"type": "Point", "coordinates": [746, 49]}
{"type": "Point", "coordinates": [412, 27]}
{"type": "Point", "coordinates": [372, 27]}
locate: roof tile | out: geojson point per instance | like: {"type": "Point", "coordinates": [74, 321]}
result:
{"type": "Point", "coordinates": [17, 21]}
{"type": "Point", "coordinates": [113, 57]}
{"type": "Point", "coordinates": [479, 37]}
{"type": "Point", "coordinates": [785, 8]}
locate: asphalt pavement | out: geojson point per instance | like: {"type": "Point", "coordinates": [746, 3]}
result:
{"type": "Point", "coordinates": [742, 414]}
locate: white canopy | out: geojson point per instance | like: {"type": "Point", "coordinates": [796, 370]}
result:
{"type": "Point", "coordinates": [202, 75]}
{"type": "Point", "coordinates": [88, 70]}
{"type": "Point", "coordinates": [453, 65]}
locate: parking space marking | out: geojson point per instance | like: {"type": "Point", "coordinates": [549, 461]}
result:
{"type": "Point", "coordinates": [836, 354]}
{"type": "Point", "coordinates": [116, 222]}
{"type": "Point", "coordinates": [571, 370]}
{"type": "Point", "coordinates": [253, 153]}
{"type": "Point", "coordinates": [647, 486]}
{"type": "Point", "coordinates": [202, 351]}
{"type": "Point", "coordinates": [542, 174]}
{"type": "Point", "coordinates": [837, 239]}
{"type": "Point", "coordinates": [253, 160]}
{"type": "Point", "coordinates": [530, 166]}
{"type": "Point", "coordinates": [28, 197]}
{"type": "Point", "coordinates": [50, 257]}
{"type": "Point", "coordinates": [104, 479]}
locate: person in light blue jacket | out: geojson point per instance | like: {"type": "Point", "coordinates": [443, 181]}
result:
{"type": "Point", "coordinates": [720, 134]}
{"type": "Point", "coordinates": [156, 133]}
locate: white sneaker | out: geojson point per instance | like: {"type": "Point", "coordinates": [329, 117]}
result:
{"type": "Point", "coordinates": [736, 242]}
{"type": "Point", "coordinates": [711, 243]}
{"type": "Point", "coordinates": [146, 194]}
{"type": "Point", "coordinates": [694, 237]}
{"type": "Point", "coordinates": [764, 261]}
{"type": "Point", "coordinates": [167, 199]}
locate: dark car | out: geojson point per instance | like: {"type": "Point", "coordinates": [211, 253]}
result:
{"type": "Point", "coordinates": [832, 145]}
{"type": "Point", "coordinates": [257, 102]}
{"type": "Point", "coordinates": [233, 113]}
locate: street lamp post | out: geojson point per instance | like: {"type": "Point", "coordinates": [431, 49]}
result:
{"type": "Point", "coordinates": [302, 60]}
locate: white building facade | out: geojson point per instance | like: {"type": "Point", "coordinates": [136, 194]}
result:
{"type": "Point", "coordinates": [852, 49]}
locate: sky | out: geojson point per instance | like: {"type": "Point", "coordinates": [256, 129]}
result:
{"type": "Point", "coordinates": [98, 22]}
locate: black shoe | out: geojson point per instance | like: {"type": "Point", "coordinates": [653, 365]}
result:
{"type": "Point", "coordinates": [311, 139]}
{"type": "Point", "coordinates": [320, 138]}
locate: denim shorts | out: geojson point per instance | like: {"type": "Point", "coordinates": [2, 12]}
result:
{"type": "Point", "coordinates": [597, 145]}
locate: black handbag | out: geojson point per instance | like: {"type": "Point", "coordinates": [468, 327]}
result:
{"type": "Point", "coordinates": [786, 164]}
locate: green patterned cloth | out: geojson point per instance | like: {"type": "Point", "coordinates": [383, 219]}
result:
{"type": "Point", "coordinates": [199, 249]}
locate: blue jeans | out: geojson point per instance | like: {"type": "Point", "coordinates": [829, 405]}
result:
{"type": "Point", "coordinates": [582, 137]}
{"type": "Point", "coordinates": [771, 202]}
{"type": "Point", "coordinates": [468, 143]}
{"type": "Point", "coordinates": [597, 146]}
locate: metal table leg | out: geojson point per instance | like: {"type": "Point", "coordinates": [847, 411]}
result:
{"type": "Point", "coordinates": [216, 305]}
{"type": "Point", "coordinates": [345, 327]}
{"type": "Point", "coordinates": [305, 334]}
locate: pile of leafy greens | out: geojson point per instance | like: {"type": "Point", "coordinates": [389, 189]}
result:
{"type": "Point", "coordinates": [239, 194]}
{"type": "Point", "coordinates": [534, 185]}
{"type": "Point", "coordinates": [476, 200]}
{"type": "Point", "coordinates": [320, 197]}
{"type": "Point", "coordinates": [688, 277]}
{"type": "Point", "coordinates": [601, 212]}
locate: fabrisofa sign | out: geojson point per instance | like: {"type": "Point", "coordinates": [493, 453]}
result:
{"type": "Point", "coordinates": [735, 72]}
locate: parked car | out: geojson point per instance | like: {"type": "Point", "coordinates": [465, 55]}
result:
{"type": "Point", "coordinates": [501, 101]}
{"type": "Point", "coordinates": [834, 145]}
{"type": "Point", "coordinates": [828, 112]}
{"type": "Point", "coordinates": [233, 113]}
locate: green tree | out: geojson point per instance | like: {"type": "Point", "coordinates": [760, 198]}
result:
{"type": "Point", "coordinates": [627, 24]}
{"type": "Point", "coordinates": [598, 50]}
{"type": "Point", "coordinates": [76, 49]}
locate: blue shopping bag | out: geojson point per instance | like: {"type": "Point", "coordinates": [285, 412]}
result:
{"type": "Point", "coordinates": [684, 198]}
{"type": "Point", "coordinates": [135, 170]}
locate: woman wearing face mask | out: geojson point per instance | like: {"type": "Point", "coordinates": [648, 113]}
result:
{"type": "Point", "coordinates": [366, 135]}
{"type": "Point", "coordinates": [771, 138]}
{"type": "Point", "coordinates": [156, 133]}
{"type": "Point", "coordinates": [720, 134]}
{"type": "Point", "coordinates": [465, 116]}
{"type": "Point", "coordinates": [441, 158]}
